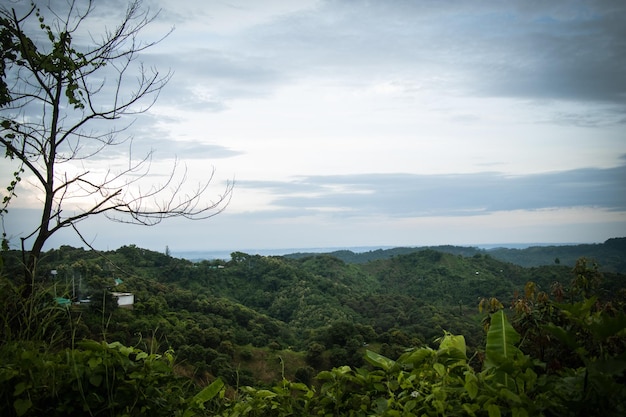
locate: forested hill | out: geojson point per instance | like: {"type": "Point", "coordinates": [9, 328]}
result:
{"type": "Point", "coordinates": [258, 300]}
{"type": "Point", "coordinates": [253, 319]}
{"type": "Point", "coordinates": [610, 255]}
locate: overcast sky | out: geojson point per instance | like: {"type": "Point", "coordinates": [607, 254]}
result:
{"type": "Point", "coordinates": [387, 123]}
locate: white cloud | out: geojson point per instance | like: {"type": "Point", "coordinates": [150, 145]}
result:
{"type": "Point", "coordinates": [501, 121]}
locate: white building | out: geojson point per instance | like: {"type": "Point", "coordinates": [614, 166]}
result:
{"type": "Point", "coordinates": [124, 299]}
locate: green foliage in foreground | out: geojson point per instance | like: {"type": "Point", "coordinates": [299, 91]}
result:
{"type": "Point", "coordinates": [99, 378]}
{"type": "Point", "coordinates": [428, 382]}
{"type": "Point", "coordinates": [94, 379]}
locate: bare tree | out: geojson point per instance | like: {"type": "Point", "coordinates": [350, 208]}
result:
{"type": "Point", "coordinates": [51, 112]}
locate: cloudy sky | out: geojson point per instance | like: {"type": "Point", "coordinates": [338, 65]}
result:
{"type": "Point", "coordinates": [387, 123]}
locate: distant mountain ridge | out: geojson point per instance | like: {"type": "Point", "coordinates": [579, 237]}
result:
{"type": "Point", "coordinates": [610, 255]}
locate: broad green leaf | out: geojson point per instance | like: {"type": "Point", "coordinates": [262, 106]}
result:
{"type": "Point", "coordinates": [22, 405]}
{"type": "Point", "coordinates": [441, 370]}
{"type": "Point", "coordinates": [92, 345]}
{"type": "Point", "coordinates": [455, 344]}
{"type": "Point", "coordinates": [410, 405]}
{"type": "Point", "coordinates": [519, 412]}
{"type": "Point", "coordinates": [510, 396]}
{"type": "Point", "coordinates": [264, 393]}
{"type": "Point", "coordinates": [471, 385]}
{"type": "Point", "coordinates": [94, 362]}
{"type": "Point", "coordinates": [381, 405]}
{"type": "Point", "coordinates": [501, 340]}
{"type": "Point", "coordinates": [325, 375]}
{"type": "Point", "coordinates": [342, 370]}
{"type": "Point", "coordinates": [95, 380]}
{"type": "Point", "coordinates": [493, 410]}
{"type": "Point", "coordinates": [203, 396]}
{"type": "Point", "coordinates": [299, 386]}
{"type": "Point", "coordinates": [209, 392]}
{"type": "Point", "coordinates": [20, 388]}
{"type": "Point", "coordinates": [416, 357]}
{"type": "Point", "coordinates": [379, 360]}
{"type": "Point", "coordinates": [470, 408]}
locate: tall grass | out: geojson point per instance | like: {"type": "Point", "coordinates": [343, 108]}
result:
{"type": "Point", "coordinates": [37, 317]}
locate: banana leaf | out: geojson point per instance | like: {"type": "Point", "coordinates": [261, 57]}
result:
{"type": "Point", "coordinates": [501, 340]}
{"type": "Point", "coordinates": [197, 401]}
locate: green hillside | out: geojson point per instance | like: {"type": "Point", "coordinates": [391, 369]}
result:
{"type": "Point", "coordinates": [254, 320]}
{"type": "Point", "coordinates": [205, 310]}
{"type": "Point", "coordinates": [610, 255]}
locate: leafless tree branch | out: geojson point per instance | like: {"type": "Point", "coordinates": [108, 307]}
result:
{"type": "Point", "coordinates": [51, 94]}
